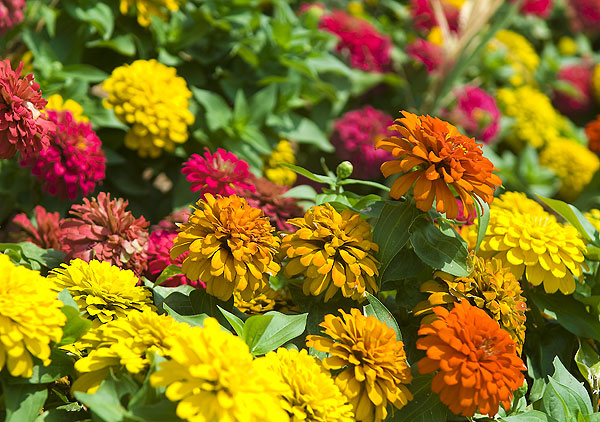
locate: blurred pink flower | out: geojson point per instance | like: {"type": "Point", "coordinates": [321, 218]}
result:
{"type": "Point", "coordinates": [160, 243]}
{"type": "Point", "coordinates": [579, 76]}
{"type": "Point", "coordinates": [12, 13]}
{"type": "Point", "coordinates": [426, 52]}
{"type": "Point", "coordinates": [354, 138]}
{"type": "Point", "coordinates": [541, 8]}
{"type": "Point", "coordinates": [44, 231]}
{"type": "Point", "coordinates": [585, 15]}
{"type": "Point", "coordinates": [221, 173]}
{"type": "Point", "coordinates": [424, 19]}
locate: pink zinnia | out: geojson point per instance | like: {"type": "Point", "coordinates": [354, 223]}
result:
{"type": "Point", "coordinates": [73, 162]}
{"type": "Point", "coordinates": [160, 243]}
{"type": "Point", "coordinates": [221, 173]}
{"type": "Point", "coordinates": [354, 138]}
{"type": "Point", "coordinates": [105, 230]}
{"type": "Point", "coordinates": [585, 15]}
{"type": "Point", "coordinates": [22, 125]}
{"type": "Point", "coordinates": [45, 231]}
{"type": "Point", "coordinates": [477, 112]}
{"type": "Point", "coordinates": [12, 13]}
{"type": "Point", "coordinates": [579, 76]}
{"type": "Point", "coordinates": [424, 19]}
{"type": "Point", "coordinates": [368, 49]}
{"type": "Point", "coordinates": [541, 8]}
{"type": "Point", "coordinates": [426, 52]}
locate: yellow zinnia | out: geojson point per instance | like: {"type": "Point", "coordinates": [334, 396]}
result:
{"type": "Point", "coordinates": [153, 100]}
{"type": "Point", "coordinates": [57, 103]}
{"type": "Point", "coordinates": [333, 251]}
{"type": "Point", "coordinates": [517, 202]}
{"type": "Point", "coordinates": [123, 344]}
{"type": "Point", "coordinates": [30, 318]}
{"type": "Point", "coordinates": [103, 291]}
{"type": "Point", "coordinates": [147, 8]}
{"type": "Point", "coordinates": [519, 53]}
{"type": "Point", "coordinates": [372, 363]}
{"type": "Point", "coordinates": [265, 301]}
{"type": "Point", "coordinates": [272, 168]}
{"type": "Point", "coordinates": [212, 375]}
{"type": "Point", "coordinates": [231, 247]}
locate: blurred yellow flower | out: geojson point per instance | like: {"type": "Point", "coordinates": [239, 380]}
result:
{"type": "Point", "coordinates": [593, 217]}
{"type": "Point", "coordinates": [519, 53]}
{"type": "Point", "coordinates": [272, 168]}
{"type": "Point", "coordinates": [596, 82]}
{"type": "Point", "coordinates": [147, 8]}
{"type": "Point", "coordinates": [57, 103]}
{"type": "Point", "coordinates": [567, 46]}
{"type": "Point", "coordinates": [517, 202]}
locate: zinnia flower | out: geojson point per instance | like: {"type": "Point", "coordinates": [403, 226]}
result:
{"type": "Point", "coordinates": [172, 221]}
{"type": "Point", "coordinates": [23, 128]}
{"type": "Point", "coordinates": [518, 53]}
{"type": "Point", "coordinates": [434, 156]}
{"type": "Point", "coordinates": [333, 251]}
{"type": "Point", "coordinates": [213, 377]}
{"type": "Point", "coordinates": [540, 8]}
{"type": "Point", "coordinates": [585, 15]}
{"type": "Point", "coordinates": [518, 202]}
{"type": "Point", "coordinates": [160, 243]}
{"type": "Point", "coordinates": [573, 163]}
{"type": "Point", "coordinates": [268, 196]}
{"type": "Point", "coordinates": [355, 135]}
{"type": "Point", "coordinates": [58, 103]}
{"type": "Point", "coordinates": [147, 8]}
{"type": "Point", "coordinates": [592, 131]}
{"type": "Point", "coordinates": [312, 395]}
{"type": "Point", "coordinates": [30, 318]}
{"type": "Point", "coordinates": [535, 244]}
{"type": "Point", "coordinates": [372, 363]}
{"type": "Point", "coordinates": [123, 345]}
{"type": "Point", "coordinates": [366, 47]}
{"type": "Point", "coordinates": [12, 13]}
{"type": "Point", "coordinates": [272, 168]}
{"type": "Point", "coordinates": [151, 98]}
{"type": "Point", "coordinates": [476, 361]}
{"type": "Point", "coordinates": [267, 300]}
{"type": "Point", "coordinates": [73, 162]}
{"type": "Point", "coordinates": [489, 287]}
{"type": "Point", "coordinates": [102, 291]}
{"type": "Point", "coordinates": [221, 173]}
{"type": "Point", "coordinates": [45, 231]}
{"type": "Point", "coordinates": [476, 112]}
{"type": "Point", "coordinates": [579, 76]}
{"type": "Point", "coordinates": [423, 15]}
{"type": "Point", "coordinates": [429, 54]}
{"type": "Point", "coordinates": [231, 247]}
{"type": "Point", "coordinates": [104, 229]}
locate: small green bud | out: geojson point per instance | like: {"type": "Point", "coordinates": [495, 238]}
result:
{"type": "Point", "coordinates": [344, 170]}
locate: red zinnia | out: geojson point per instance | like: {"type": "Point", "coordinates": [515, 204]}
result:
{"type": "Point", "coordinates": [579, 76]}
{"type": "Point", "coordinates": [45, 231]}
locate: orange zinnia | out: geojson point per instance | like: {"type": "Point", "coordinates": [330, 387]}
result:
{"type": "Point", "coordinates": [477, 363]}
{"type": "Point", "coordinates": [592, 131]}
{"type": "Point", "coordinates": [442, 158]}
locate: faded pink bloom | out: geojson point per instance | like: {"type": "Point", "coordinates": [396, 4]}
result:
{"type": "Point", "coordinates": [44, 231]}
{"type": "Point", "coordinates": [366, 47]}
{"type": "Point", "coordinates": [579, 76]}
{"type": "Point", "coordinates": [12, 13]}
{"type": "Point", "coordinates": [428, 53]}
{"type": "Point", "coordinates": [221, 173]}
{"type": "Point", "coordinates": [354, 138]}
{"type": "Point", "coordinates": [23, 127]}
{"type": "Point", "coordinates": [73, 162]}
{"type": "Point", "coordinates": [105, 230]}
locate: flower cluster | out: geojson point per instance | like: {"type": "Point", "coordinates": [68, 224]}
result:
{"type": "Point", "coordinates": [519, 54]}
{"type": "Point", "coordinates": [11, 14]}
{"type": "Point", "coordinates": [579, 77]}
{"type": "Point", "coordinates": [272, 168]}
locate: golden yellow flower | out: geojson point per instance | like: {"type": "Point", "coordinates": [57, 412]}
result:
{"type": "Point", "coordinates": [212, 375]}
{"type": "Point", "coordinates": [272, 168]}
{"type": "Point", "coordinates": [567, 46]}
{"type": "Point", "coordinates": [547, 251]}
{"type": "Point", "coordinates": [148, 8]}
{"type": "Point", "coordinates": [57, 103]}
{"type": "Point", "coordinates": [30, 318]}
{"type": "Point", "coordinates": [153, 100]}
{"type": "Point", "coordinates": [489, 287]}
{"type": "Point", "coordinates": [103, 291]}
{"type": "Point", "coordinates": [573, 163]}
{"type": "Point", "coordinates": [372, 363]}
{"type": "Point", "coordinates": [267, 300]}
{"type": "Point", "coordinates": [593, 217]}
{"type": "Point", "coordinates": [519, 53]}
{"type": "Point", "coordinates": [123, 344]}
{"type": "Point", "coordinates": [517, 202]}
{"type": "Point", "coordinates": [436, 36]}
{"type": "Point", "coordinates": [312, 396]}
{"type": "Point", "coordinates": [231, 245]}
{"type": "Point", "coordinates": [333, 251]}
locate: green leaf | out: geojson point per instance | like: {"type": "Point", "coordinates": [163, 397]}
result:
{"type": "Point", "coordinates": [196, 320]}
{"type": "Point", "coordinates": [531, 416]}
{"type": "Point", "coordinates": [65, 297]}
{"type": "Point", "coordinates": [301, 192]}
{"type": "Point", "coordinates": [425, 405]}
{"type": "Point", "coordinates": [236, 323]}
{"type": "Point", "coordinates": [122, 44]}
{"type": "Point", "coordinates": [309, 175]}
{"type": "Point", "coordinates": [561, 402]}
{"type": "Point", "coordinates": [483, 219]}
{"type": "Point", "coordinates": [23, 401]}
{"type": "Point", "coordinates": [363, 182]}
{"type": "Point", "coordinates": [167, 273]}
{"type": "Point", "coordinates": [104, 402]}
{"type": "Point", "coordinates": [565, 378]}
{"type": "Point", "coordinates": [264, 333]}
{"type": "Point", "coordinates": [306, 131]}
{"type": "Point", "coordinates": [575, 217]}
{"type": "Point", "coordinates": [379, 311]}
{"type": "Point", "coordinates": [263, 103]}
{"type": "Point", "coordinates": [75, 327]}
{"type": "Point", "coordinates": [98, 14]}
{"type": "Point", "coordinates": [404, 265]}
{"type": "Point", "coordinates": [588, 362]}
{"type": "Point", "coordinates": [203, 303]}
{"type": "Point", "coordinates": [445, 251]}
{"type": "Point", "coordinates": [84, 72]}
{"type": "Point", "coordinates": [60, 366]}
{"type": "Point", "coordinates": [218, 112]}
{"type": "Point", "coordinates": [49, 258]}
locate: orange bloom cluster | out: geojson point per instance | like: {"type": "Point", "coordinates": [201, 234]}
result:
{"type": "Point", "coordinates": [477, 363]}
{"type": "Point", "coordinates": [592, 131]}
{"type": "Point", "coordinates": [437, 159]}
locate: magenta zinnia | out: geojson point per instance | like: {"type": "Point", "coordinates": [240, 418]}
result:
{"type": "Point", "coordinates": [23, 127]}
{"type": "Point", "coordinates": [105, 230]}
{"type": "Point", "coordinates": [74, 160]}
{"type": "Point", "coordinates": [579, 76]}
{"type": "Point", "coordinates": [11, 14]}
{"type": "Point", "coordinates": [221, 173]}
{"type": "Point", "coordinates": [160, 243]}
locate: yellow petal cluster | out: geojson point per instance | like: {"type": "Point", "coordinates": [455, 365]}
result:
{"type": "Point", "coordinates": [213, 376]}
{"type": "Point", "coordinates": [272, 168]}
{"type": "Point", "coordinates": [535, 244]}
{"type": "Point", "coordinates": [517, 202]}
{"type": "Point", "coordinates": [489, 287]}
{"type": "Point", "coordinates": [57, 103]}
{"type": "Point", "coordinates": [333, 251]}
{"type": "Point", "coordinates": [150, 98]}
{"type": "Point", "coordinates": [312, 396]}
{"type": "Point", "coordinates": [103, 291]}
{"type": "Point", "coordinates": [536, 121]}
{"type": "Point", "coordinates": [370, 363]}
{"type": "Point", "coordinates": [123, 344]}
{"type": "Point", "coordinates": [231, 247]}
{"type": "Point", "coordinates": [30, 318]}
{"type": "Point", "coordinates": [573, 163]}
{"type": "Point", "coordinates": [147, 8]}
{"type": "Point", "coordinates": [265, 301]}
{"type": "Point", "coordinates": [593, 217]}
{"type": "Point", "coordinates": [519, 53]}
